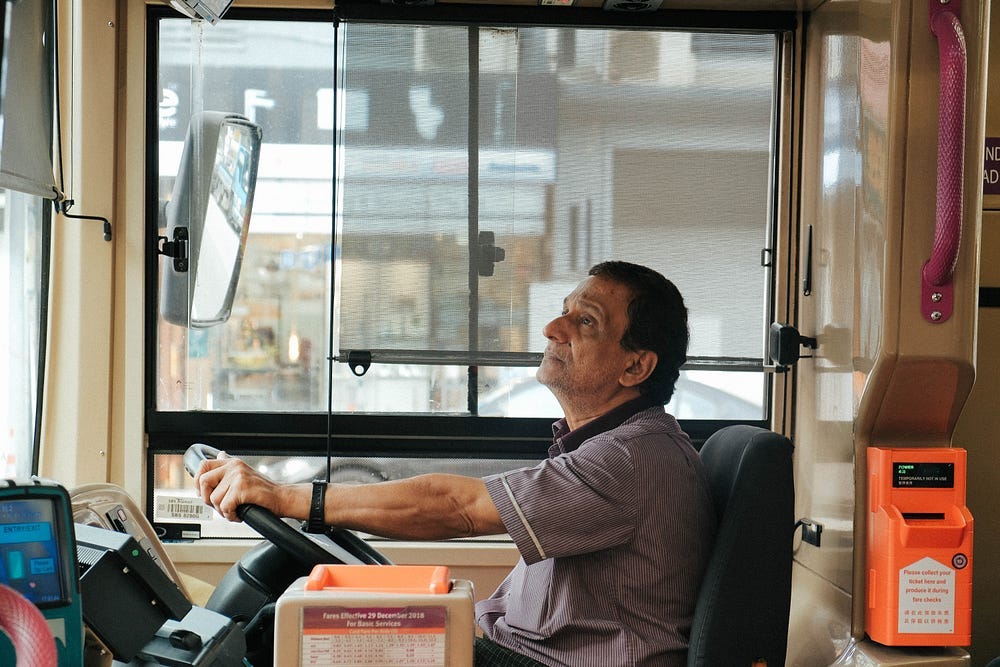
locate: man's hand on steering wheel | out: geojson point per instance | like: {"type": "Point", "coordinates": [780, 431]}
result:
{"type": "Point", "coordinates": [226, 483]}
{"type": "Point", "coordinates": [240, 493]}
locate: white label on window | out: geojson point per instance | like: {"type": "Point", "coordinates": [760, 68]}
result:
{"type": "Point", "coordinates": [181, 508]}
{"type": "Point", "coordinates": [926, 597]}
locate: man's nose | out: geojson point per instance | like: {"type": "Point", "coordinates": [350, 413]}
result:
{"type": "Point", "coordinates": [555, 330]}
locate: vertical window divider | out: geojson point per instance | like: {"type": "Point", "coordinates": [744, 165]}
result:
{"type": "Point", "coordinates": [473, 183]}
{"type": "Point", "coordinates": [334, 191]}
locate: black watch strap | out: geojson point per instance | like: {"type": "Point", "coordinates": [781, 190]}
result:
{"type": "Point", "coordinates": [317, 508]}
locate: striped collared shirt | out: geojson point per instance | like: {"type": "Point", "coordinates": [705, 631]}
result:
{"type": "Point", "coordinates": [614, 530]}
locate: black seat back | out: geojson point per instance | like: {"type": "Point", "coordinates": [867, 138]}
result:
{"type": "Point", "coordinates": [742, 611]}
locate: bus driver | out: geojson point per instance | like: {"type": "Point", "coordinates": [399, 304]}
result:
{"type": "Point", "coordinates": [614, 527]}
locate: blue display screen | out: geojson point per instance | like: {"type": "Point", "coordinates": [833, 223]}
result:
{"type": "Point", "coordinates": [30, 550]}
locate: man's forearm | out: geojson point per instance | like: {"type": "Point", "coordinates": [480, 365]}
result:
{"type": "Point", "coordinates": [427, 507]}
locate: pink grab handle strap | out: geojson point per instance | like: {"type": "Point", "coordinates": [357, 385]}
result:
{"type": "Point", "coordinates": [937, 272]}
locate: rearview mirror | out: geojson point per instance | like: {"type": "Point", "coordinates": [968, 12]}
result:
{"type": "Point", "coordinates": [207, 219]}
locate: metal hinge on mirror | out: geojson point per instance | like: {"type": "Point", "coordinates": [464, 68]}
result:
{"type": "Point", "coordinates": [177, 248]}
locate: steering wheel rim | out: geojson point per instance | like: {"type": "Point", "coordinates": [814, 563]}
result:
{"type": "Point", "coordinates": [342, 546]}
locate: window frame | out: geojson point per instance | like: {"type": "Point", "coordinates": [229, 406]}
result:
{"type": "Point", "coordinates": [392, 435]}
{"type": "Point", "coordinates": [45, 271]}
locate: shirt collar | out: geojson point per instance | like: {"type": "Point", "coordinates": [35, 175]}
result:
{"type": "Point", "coordinates": [566, 440]}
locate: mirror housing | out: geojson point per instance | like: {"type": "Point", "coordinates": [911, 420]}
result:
{"type": "Point", "coordinates": [207, 218]}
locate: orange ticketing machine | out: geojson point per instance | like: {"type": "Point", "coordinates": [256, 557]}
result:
{"type": "Point", "coordinates": [919, 548]}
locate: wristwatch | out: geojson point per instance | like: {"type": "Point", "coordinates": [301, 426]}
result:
{"type": "Point", "coordinates": [317, 508]}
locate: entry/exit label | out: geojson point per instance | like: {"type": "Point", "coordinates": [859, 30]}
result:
{"type": "Point", "coordinates": [926, 597]}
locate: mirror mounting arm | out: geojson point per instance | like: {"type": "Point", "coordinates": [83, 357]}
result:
{"type": "Point", "coordinates": [783, 345]}
{"type": "Point", "coordinates": [489, 254]}
{"type": "Point", "coordinates": [177, 248]}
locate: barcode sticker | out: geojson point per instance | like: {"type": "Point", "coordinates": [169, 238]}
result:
{"type": "Point", "coordinates": [184, 508]}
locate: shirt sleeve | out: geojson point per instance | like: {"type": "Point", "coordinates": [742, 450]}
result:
{"type": "Point", "coordinates": [571, 504]}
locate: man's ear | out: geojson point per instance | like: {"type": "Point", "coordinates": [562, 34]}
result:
{"type": "Point", "coordinates": [642, 366]}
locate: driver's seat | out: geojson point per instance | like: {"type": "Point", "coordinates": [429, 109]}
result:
{"type": "Point", "coordinates": [741, 618]}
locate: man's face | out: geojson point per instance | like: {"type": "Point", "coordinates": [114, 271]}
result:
{"type": "Point", "coordinates": [584, 362]}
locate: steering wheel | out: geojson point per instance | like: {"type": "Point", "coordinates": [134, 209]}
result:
{"type": "Point", "coordinates": [336, 545]}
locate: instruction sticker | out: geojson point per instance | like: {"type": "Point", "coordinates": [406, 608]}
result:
{"type": "Point", "coordinates": [927, 597]}
{"type": "Point", "coordinates": [374, 636]}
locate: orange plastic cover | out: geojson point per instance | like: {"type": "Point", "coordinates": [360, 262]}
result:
{"type": "Point", "coordinates": [420, 579]}
{"type": "Point", "coordinates": [919, 548]}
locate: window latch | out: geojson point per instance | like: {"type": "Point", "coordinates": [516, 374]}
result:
{"type": "Point", "coordinates": [177, 248]}
{"type": "Point", "coordinates": [489, 254]}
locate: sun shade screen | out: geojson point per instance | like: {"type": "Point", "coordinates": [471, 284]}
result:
{"type": "Point", "coordinates": [26, 93]}
{"type": "Point", "coordinates": [419, 189]}
{"type": "Point", "coordinates": [483, 170]}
